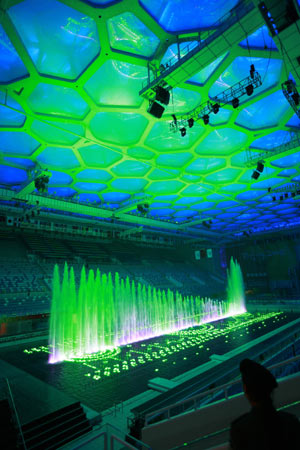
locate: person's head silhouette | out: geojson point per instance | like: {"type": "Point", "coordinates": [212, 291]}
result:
{"type": "Point", "coordinates": [258, 382]}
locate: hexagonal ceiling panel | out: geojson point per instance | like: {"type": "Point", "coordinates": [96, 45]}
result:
{"type": "Point", "coordinates": [70, 83]}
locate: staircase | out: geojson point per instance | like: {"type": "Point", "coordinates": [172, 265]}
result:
{"type": "Point", "coordinates": [56, 429]}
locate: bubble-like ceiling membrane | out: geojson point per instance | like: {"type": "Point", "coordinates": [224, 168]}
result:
{"type": "Point", "coordinates": [70, 77]}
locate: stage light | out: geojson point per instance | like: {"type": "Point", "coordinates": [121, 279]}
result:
{"type": "Point", "coordinates": [162, 95]}
{"type": "Point", "coordinates": [255, 175]}
{"type": "Point", "coordinates": [274, 199]}
{"type": "Point", "coordinates": [281, 197]}
{"type": "Point", "coordinates": [249, 89]}
{"type": "Point", "coordinates": [296, 98]}
{"type": "Point", "coordinates": [293, 194]}
{"type": "Point", "coordinates": [206, 119]}
{"type": "Point", "coordinates": [235, 102]}
{"type": "Point", "coordinates": [191, 122]}
{"type": "Point", "coordinates": [155, 109]}
{"type": "Point", "coordinates": [174, 119]}
{"type": "Point", "coordinates": [260, 166]}
{"type": "Point", "coordinates": [183, 131]}
{"type": "Point", "coordinates": [216, 108]}
{"type": "Point", "coordinates": [289, 87]}
{"type": "Point", "coordinates": [286, 195]}
{"type": "Point", "coordinates": [269, 189]}
{"type": "Point", "coordinates": [252, 70]}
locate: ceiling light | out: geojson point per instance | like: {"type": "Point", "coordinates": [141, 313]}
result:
{"type": "Point", "coordinates": [183, 131]}
{"type": "Point", "coordinates": [249, 89]}
{"type": "Point", "coordinates": [235, 102]}
{"type": "Point", "coordinates": [191, 122]}
{"type": "Point", "coordinates": [260, 166]}
{"type": "Point", "coordinates": [155, 109]}
{"type": "Point", "coordinates": [162, 95]}
{"type": "Point", "coordinates": [216, 108]}
{"type": "Point", "coordinates": [206, 119]}
{"type": "Point", "coordinates": [255, 175]}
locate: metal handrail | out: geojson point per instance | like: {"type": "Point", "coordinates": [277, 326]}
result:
{"type": "Point", "coordinates": [113, 438]}
{"type": "Point", "coordinates": [16, 413]}
{"type": "Point", "coordinates": [196, 398]}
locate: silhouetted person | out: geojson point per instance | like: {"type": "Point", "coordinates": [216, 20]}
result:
{"type": "Point", "coordinates": [263, 428]}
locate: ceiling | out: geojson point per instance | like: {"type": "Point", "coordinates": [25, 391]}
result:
{"type": "Point", "coordinates": [70, 74]}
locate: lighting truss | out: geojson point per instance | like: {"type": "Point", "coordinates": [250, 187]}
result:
{"type": "Point", "coordinates": [290, 92]}
{"type": "Point", "coordinates": [253, 159]}
{"type": "Point", "coordinates": [226, 97]}
{"type": "Point", "coordinates": [292, 188]}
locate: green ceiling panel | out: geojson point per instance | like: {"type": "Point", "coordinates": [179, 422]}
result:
{"type": "Point", "coordinates": [270, 70]}
{"type": "Point", "coordinates": [9, 117]}
{"type": "Point", "coordinates": [11, 175]}
{"type": "Point", "coordinates": [11, 65]}
{"type": "Point", "coordinates": [165, 174]}
{"type": "Point", "coordinates": [57, 101]}
{"type": "Point", "coordinates": [183, 101]}
{"type": "Point", "coordinates": [175, 16]}
{"type": "Point", "coordinates": [24, 162]}
{"type": "Point", "coordinates": [205, 165]}
{"type": "Point", "coordinates": [221, 118]}
{"type": "Point", "coordinates": [84, 186]}
{"type": "Point", "coordinates": [96, 155]}
{"type": "Point", "coordinates": [164, 187]}
{"type": "Point", "coordinates": [140, 153]}
{"type": "Point", "coordinates": [17, 142]}
{"type": "Point", "coordinates": [222, 142]}
{"type": "Point", "coordinates": [203, 205]}
{"type": "Point", "coordinates": [85, 121]}
{"type": "Point", "coordinates": [131, 169]}
{"type": "Point", "coordinates": [259, 115]}
{"type": "Point", "coordinates": [63, 158]}
{"type": "Point", "coordinates": [174, 160]}
{"type": "Point", "coordinates": [118, 128]}
{"type": "Point", "coordinates": [60, 40]}
{"type": "Point", "coordinates": [52, 132]}
{"type": "Point", "coordinates": [241, 158]}
{"type": "Point", "coordinates": [287, 161]}
{"type": "Point", "coordinates": [223, 176]}
{"type": "Point", "coordinates": [161, 139]}
{"type": "Point", "coordinates": [194, 190]}
{"type": "Point", "coordinates": [171, 55]}
{"type": "Point", "coordinates": [59, 178]}
{"type": "Point", "coordinates": [233, 188]}
{"type": "Point", "coordinates": [128, 34]}
{"type": "Point", "coordinates": [129, 184]}
{"type": "Point", "coordinates": [93, 174]}
{"type": "Point", "coordinates": [117, 83]}
{"type": "Point", "coordinates": [204, 74]}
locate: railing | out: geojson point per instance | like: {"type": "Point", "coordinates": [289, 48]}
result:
{"type": "Point", "coordinates": [230, 18]}
{"type": "Point", "coordinates": [15, 413]}
{"type": "Point", "coordinates": [108, 438]}
{"type": "Point", "coordinates": [194, 403]}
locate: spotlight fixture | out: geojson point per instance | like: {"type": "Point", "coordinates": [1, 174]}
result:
{"type": "Point", "coordinates": [206, 119]}
{"type": "Point", "coordinates": [191, 122]}
{"type": "Point", "coordinates": [249, 89]}
{"type": "Point", "coordinates": [281, 197]}
{"type": "Point", "coordinates": [260, 166]}
{"type": "Point", "coordinates": [162, 95]}
{"type": "Point", "coordinates": [143, 208]}
{"type": "Point", "coordinates": [286, 195]}
{"type": "Point", "coordinates": [274, 199]}
{"type": "Point", "coordinates": [155, 109]}
{"type": "Point", "coordinates": [174, 119]}
{"type": "Point", "coordinates": [255, 175]}
{"type": "Point", "coordinates": [252, 70]}
{"type": "Point", "coordinates": [182, 131]}
{"type": "Point", "coordinates": [216, 108]}
{"type": "Point", "coordinates": [296, 98]}
{"type": "Point", "coordinates": [235, 102]}
{"type": "Point", "coordinates": [269, 189]}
